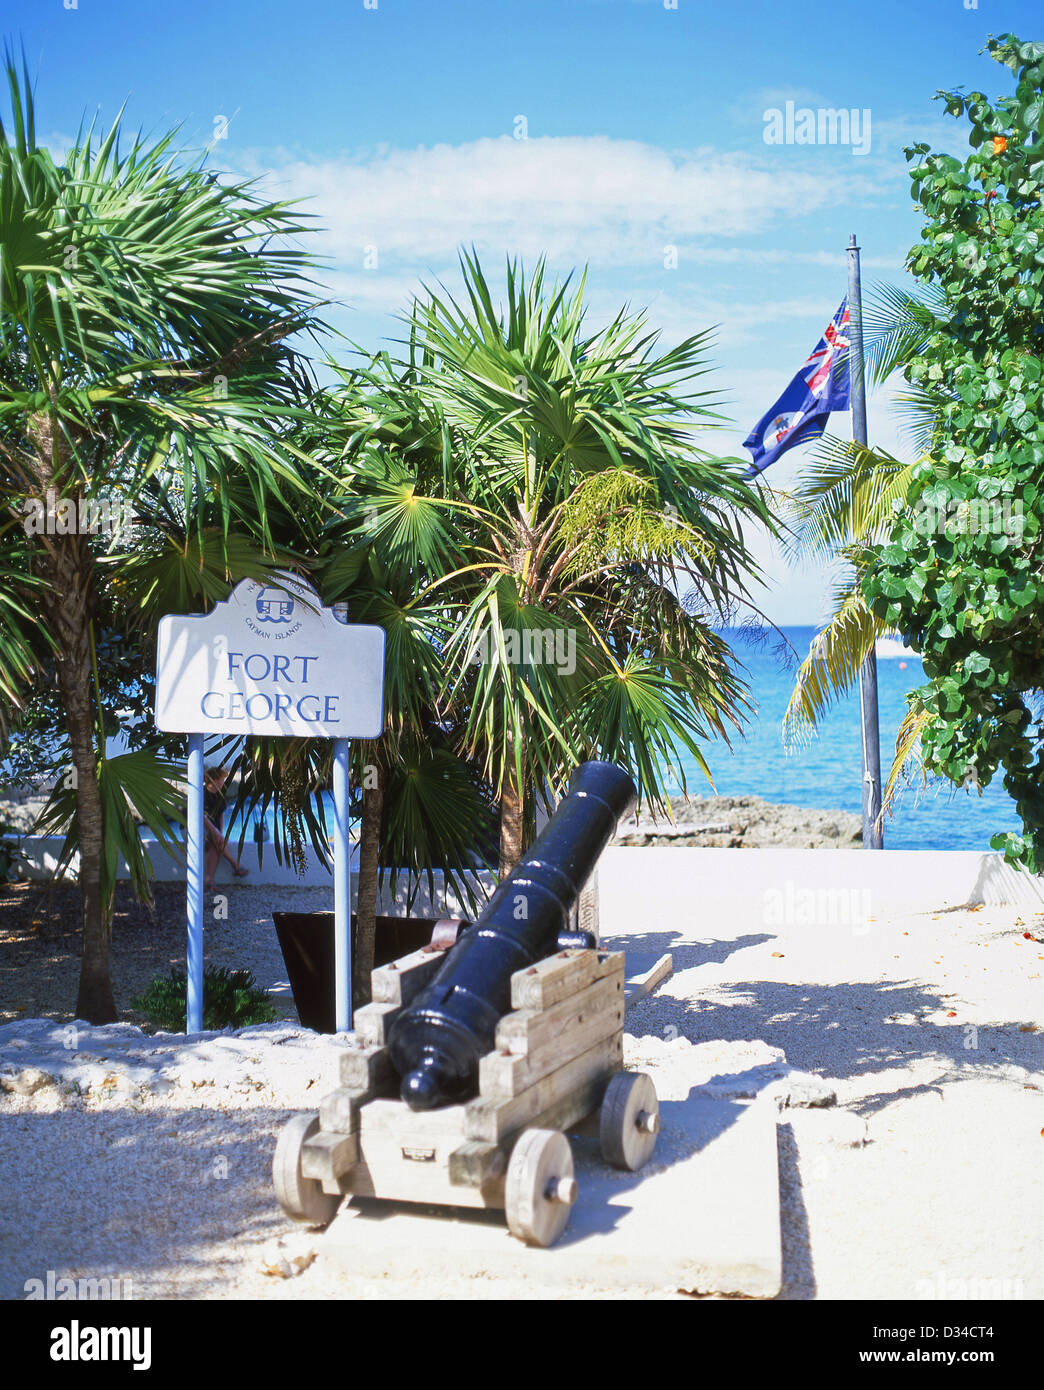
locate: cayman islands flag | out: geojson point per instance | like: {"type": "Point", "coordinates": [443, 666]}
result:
{"type": "Point", "coordinates": [823, 384]}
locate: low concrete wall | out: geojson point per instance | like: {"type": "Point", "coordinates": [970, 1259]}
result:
{"type": "Point", "coordinates": [652, 883]}
{"type": "Point", "coordinates": [41, 853]}
{"type": "Point", "coordinates": [639, 882]}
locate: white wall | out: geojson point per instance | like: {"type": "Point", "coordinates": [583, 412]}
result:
{"type": "Point", "coordinates": [639, 882]}
{"type": "Point", "coordinates": [42, 852]}
{"type": "Point", "coordinates": [666, 885]}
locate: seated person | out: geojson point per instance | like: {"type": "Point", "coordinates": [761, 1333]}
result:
{"type": "Point", "coordinates": [214, 779]}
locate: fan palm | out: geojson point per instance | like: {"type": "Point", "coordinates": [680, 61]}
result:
{"type": "Point", "coordinates": [144, 305]}
{"type": "Point", "coordinates": [578, 496]}
{"type": "Point", "coordinates": [368, 540]}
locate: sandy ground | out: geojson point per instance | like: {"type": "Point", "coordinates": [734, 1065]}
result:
{"type": "Point", "coordinates": [920, 1183]}
{"type": "Point", "coordinates": [40, 946]}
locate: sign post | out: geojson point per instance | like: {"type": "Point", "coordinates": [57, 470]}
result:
{"type": "Point", "coordinates": [342, 890]}
{"type": "Point", "coordinates": [269, 660]}
{"type": "Point", "coordinates": [194, 856]}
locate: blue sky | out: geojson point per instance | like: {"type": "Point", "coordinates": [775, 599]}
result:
{"type": "Point", "coordinates": [643, 153]}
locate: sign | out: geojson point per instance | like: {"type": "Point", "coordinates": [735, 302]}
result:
{"type": "Point", "coordinates": [270, 660]}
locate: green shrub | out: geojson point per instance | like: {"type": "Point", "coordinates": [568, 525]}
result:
{"type": "Point", "coordinates": [11, 857]}
{"type": "Point", "coordinates": [231, 999]}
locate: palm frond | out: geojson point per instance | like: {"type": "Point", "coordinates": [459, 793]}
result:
{"type": "Point", "coordinates": [142, 786]}
{"type": "Point", "coordinates": [832, 666]}
{"type": "Point", "coordinates": [897, 324]}
{"type": "Point", "coordinates": [907, 754]}
{"type": "Point", "coordinates": [436, 818]}
{"type": "Point", "coordinates": [844, 496]}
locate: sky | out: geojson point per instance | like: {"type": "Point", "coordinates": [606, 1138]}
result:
{"type": "Point", "coordinates": [627, 136]}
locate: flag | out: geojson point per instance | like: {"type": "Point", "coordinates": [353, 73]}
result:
{"type": "Point", "coordinates": [822, 385]}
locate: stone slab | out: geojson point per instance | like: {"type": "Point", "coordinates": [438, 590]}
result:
{"type": "Point", "coordinates": [702, 1216]}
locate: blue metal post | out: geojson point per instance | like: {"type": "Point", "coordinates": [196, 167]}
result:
{"type": "Point", "coordinates": [342, 890]}
{"type": "Point", "coordinates": [194, 882]}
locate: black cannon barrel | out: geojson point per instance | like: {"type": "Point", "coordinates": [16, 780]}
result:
{"type": "Point", "coordinates": [436, 1043]}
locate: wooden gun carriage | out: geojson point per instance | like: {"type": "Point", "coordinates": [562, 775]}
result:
{"type": "Point", "coordinates": [495, 1047]}
{"type": "Point", "coordinates": [558, 1059]}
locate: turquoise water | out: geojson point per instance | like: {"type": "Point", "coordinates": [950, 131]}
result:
{"type": "Point", "coordinates": [826, 773]}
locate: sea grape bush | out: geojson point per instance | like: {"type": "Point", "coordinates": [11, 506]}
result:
{"type": "Point", "coordinates": [971, 599]}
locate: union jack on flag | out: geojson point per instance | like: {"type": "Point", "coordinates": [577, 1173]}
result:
{"type": "Point", "coordinates": [801, 413]}
{"type": "Point", "coordinates": [833, 342]}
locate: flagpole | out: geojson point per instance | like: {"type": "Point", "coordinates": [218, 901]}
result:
{"type": "Point", "coordinates": [873, 830]}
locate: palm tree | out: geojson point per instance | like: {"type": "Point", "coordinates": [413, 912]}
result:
{"type": "Point", "coordinates": [579, 497]}
{"type": "Point", "coordinates": [144, 305]}
{"type": "Point", "coordinates": [845, 499]}
{"type": "Point", "coordinates": [379, 543]}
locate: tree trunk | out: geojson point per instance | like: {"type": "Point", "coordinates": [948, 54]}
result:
{"type": "Point", "coordinates": [66, 563]}
{"type": "Point", "coordinates": [94, 1001]}
{"type": "Point", "coordinates": [512, 798]}
{"type": "Point", "coordinates": [366, 904]}
{"type": "Point", "coordinates": [512, 818]}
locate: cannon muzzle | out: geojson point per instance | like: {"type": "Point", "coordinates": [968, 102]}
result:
{"type": "Point", "coordinates": [436, 1043]}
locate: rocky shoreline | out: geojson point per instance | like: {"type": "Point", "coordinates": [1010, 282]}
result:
{"type": "Point", "coordinates": [745, 822]}
{"type": "Point", "coordinates": [718, 822]}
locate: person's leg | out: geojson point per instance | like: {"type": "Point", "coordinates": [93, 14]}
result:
{"type": "Point", "coordinates": [210, 864]}
{"type": "Point", "coordinates": [237, 867]}
{"type": "Point", "coordinates": [226, 853]}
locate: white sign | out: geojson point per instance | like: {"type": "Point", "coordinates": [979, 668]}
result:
{"type": "Point", "coordinates": [270, 660]}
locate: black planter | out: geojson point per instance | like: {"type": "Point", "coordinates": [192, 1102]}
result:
{"type": "Point", "coordinates": [306, 940]}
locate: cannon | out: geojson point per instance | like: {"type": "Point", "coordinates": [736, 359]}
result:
{"type": "Point", "coordinates": [437, 1042]}
{"type": "Point", "coordinates": [472, 1062]}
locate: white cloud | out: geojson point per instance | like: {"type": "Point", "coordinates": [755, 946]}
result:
{"type": "Point", "coordinates": [738, 324]}
{"type": "Point", "coordinates": [748, 256]}
{"type": "Point", "coordinates": [579, 199]}
{"type": "Point", "coordinates": [375, 291]}
{"type": "Point", "coordinates": [615, 205]}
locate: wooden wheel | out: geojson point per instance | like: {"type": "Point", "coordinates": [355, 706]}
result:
{"type": "Point", "coordinates": [630, 1120]}
{"type": "Point", "coordinates": [303, 1199]}
{"type": "Point", "coordinates": [540, 1188]}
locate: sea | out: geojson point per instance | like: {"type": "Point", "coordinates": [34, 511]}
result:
{"type": "Point", "coordinates": [826, 773]}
